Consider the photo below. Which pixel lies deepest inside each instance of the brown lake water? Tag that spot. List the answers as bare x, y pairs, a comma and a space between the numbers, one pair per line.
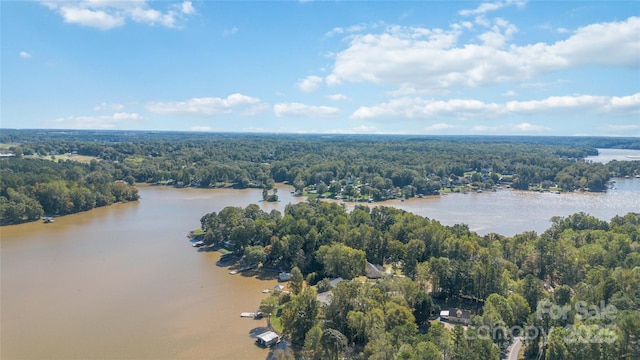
123, 282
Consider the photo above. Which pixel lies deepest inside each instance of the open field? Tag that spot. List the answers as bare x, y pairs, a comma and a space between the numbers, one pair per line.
64, 157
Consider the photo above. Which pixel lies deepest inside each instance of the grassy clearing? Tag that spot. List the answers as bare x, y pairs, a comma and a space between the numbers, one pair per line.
135, 160
5, 146
64, 157
276, 324
198, 232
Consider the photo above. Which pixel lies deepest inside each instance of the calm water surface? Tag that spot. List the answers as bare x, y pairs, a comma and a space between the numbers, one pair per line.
122, 282
509, 212
606, 155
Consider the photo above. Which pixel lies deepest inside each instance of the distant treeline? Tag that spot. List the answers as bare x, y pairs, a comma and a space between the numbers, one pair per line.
357, 167
365, 166
505, 282
31, 188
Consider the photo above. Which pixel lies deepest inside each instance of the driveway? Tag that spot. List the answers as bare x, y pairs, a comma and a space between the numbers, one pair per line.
514, 348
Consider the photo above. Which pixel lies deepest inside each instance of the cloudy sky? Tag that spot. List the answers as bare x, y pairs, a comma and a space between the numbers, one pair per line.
415, 67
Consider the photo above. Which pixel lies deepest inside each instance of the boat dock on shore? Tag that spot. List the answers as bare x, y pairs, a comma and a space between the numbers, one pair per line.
244, 268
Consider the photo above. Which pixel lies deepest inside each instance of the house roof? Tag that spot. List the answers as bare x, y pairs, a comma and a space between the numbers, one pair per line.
373, 271
325, 297
460, 313
268, 336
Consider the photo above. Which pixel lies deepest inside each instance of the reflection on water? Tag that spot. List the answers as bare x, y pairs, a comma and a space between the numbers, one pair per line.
606, 155
123, 282
510, 212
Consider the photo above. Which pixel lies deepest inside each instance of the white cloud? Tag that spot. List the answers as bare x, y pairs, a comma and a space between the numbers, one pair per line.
229, 32
200, 128
630, 101
107, 106
362, 129
335, 31
303, 110
349, 30
153, 17
488, 7
310, 83
92, 18
187, 8
608, 44
440, 127
104, 122
510, 93
25, 55
411, 108
500, 32
526, 127
518, 128
204, 106
418, 108
431, 60
338, 97
105, 15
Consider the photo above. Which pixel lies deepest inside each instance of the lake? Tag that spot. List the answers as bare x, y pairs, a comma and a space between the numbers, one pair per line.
509, 212
123, 281
606, 155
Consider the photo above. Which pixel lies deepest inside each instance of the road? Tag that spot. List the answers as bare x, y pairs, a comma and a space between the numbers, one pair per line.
514, 349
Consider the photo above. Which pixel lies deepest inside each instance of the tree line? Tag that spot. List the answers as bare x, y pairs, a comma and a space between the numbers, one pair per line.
503, 281
31, 188
349, 166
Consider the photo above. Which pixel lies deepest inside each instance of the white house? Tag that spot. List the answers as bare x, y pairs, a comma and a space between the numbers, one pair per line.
268, 339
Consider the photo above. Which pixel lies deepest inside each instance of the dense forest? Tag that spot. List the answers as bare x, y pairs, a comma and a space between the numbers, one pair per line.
32, 188
358, 168
577, 285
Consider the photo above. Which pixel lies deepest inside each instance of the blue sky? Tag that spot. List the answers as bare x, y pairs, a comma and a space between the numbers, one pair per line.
415, 67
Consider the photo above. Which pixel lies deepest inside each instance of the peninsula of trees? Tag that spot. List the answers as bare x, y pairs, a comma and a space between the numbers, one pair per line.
32, 188
358, 168
508, 284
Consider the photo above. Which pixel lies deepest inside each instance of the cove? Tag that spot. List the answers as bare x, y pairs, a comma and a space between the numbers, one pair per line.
123, 281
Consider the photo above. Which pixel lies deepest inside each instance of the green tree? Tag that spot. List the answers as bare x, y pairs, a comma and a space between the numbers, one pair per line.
284, 354
520, 308
334, 343
427, 350
415, 250
313, 348
341, 260
268, 306
254, 255
423, 308
296, 281
299, 315
556, 346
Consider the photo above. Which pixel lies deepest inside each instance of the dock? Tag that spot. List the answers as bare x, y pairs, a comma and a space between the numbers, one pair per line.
244, 268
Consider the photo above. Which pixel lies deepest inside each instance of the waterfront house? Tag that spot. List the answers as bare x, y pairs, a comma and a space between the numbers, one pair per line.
284, 276
268, 339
